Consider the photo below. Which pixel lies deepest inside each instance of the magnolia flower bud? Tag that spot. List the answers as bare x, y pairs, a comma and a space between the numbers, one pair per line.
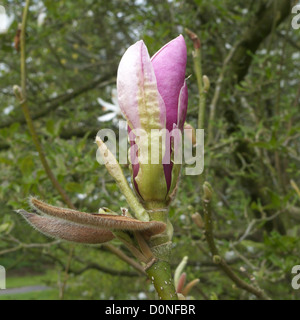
153, 97
206, 83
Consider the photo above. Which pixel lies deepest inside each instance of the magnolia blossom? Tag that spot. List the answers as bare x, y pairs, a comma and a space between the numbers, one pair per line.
41, 18
115, 111
114, 115
152, 94
5, 20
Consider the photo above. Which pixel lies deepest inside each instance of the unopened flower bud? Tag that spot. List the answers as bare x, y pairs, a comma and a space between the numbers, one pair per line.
152, 95
206, 83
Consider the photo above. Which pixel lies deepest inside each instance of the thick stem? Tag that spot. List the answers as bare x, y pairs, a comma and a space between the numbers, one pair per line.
161, 242
160, 275
159, 270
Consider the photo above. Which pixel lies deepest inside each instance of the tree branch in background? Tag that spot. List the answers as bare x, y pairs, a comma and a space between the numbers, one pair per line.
124, 257
112, 272
21, 94
202, 81
52, 105
269, 16
20, 245
217, 259
216, 96
260, 28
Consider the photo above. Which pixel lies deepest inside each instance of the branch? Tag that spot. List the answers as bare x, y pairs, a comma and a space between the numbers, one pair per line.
265, 20
52, 105
124, 257
118, 253
21, 245
289, 40
215, 99
202, 81
110, 271
217, 259
22, 96
251, 225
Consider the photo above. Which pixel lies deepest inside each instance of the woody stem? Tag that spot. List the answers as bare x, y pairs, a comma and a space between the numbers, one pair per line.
159, 270
160, 275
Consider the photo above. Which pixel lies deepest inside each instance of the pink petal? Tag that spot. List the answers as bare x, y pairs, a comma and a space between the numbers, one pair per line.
182, 106
169, 166
138, 96
128, 81
169, 65
181, 283
134, 158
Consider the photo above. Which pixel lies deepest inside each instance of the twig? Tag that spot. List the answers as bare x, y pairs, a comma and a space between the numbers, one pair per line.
92, 265
202, 81
217, 259
254, 222
106, 270
21, 94
53, 104
216, 96
289, 40
124, 257
243, 258
66, 275
29, 246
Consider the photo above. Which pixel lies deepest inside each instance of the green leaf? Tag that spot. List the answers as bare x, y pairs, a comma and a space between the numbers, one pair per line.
4, 228
27, 165
50, 127
74, 187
